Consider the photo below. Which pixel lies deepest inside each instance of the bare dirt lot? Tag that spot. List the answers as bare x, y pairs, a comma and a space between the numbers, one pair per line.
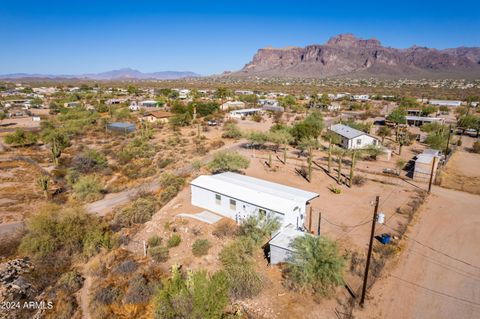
463, 169
438, 274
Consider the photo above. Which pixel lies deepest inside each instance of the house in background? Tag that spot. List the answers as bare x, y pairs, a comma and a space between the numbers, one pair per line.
230, 105
149, 103
157, 117
445, 103
237, 114
238, 196
420, 120
351, 138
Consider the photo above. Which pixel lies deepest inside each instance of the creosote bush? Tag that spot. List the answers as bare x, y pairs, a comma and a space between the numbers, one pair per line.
200, 247
154, 241
159, 253
88, 188
138, 212
174, 240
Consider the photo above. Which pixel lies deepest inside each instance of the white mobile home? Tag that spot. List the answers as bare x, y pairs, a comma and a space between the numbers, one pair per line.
445, 103
351, 138
238, 196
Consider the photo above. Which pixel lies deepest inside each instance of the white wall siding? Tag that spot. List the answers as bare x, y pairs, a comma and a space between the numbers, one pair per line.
279, 255
206, 199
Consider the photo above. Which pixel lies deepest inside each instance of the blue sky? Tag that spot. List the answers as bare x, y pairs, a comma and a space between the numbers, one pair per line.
73, 37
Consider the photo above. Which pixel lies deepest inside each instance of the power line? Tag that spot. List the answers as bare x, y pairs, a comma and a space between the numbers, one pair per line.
439, 292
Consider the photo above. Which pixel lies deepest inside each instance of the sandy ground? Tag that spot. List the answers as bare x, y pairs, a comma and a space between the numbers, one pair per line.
462, 171
439, 278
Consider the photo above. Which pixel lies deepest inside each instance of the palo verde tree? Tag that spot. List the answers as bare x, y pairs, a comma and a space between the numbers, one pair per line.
228, 161
315, 264
398, 116
309, 144
280, 136
384, 132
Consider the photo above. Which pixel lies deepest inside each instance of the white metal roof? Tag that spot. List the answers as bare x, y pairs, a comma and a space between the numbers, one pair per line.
424, 158
285, 237
423, 118
346, 131
272, 196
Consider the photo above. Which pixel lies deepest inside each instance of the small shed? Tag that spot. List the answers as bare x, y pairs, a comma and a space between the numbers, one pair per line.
157, 117
280, 245
121, 127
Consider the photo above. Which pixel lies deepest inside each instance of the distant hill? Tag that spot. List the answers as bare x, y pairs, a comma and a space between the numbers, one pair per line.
348, 56
121, 74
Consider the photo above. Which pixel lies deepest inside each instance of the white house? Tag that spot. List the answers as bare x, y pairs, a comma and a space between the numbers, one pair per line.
242, 113
361, 97
420, 120
238, 196
134, 106
445, 103
351, 138
232, 105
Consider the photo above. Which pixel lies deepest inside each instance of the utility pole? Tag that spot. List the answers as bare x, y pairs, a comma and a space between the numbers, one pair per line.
431, 174
319, 222
369, 255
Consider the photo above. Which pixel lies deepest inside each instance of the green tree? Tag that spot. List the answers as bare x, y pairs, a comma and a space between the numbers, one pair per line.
315, 264
281, 138
222, 93
88, 188
224, 161
311, 126
231, 130
383, 132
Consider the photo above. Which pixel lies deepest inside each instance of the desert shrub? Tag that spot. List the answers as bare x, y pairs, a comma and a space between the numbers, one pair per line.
72, 176
88, 188
169, 179
139, 168
159, 253
315, 264
89, 161
71, 230
126, 267
224, 161
239, 266
21, 138
164, 162
65, 306
174, 240
108, 295
139, 290
168, 194
359, 180
154, 241
71, 281
476, 147
231, 130
258, 228
335, 190
225, 228
217, 144
137, 148
138, 212
200, 247
196, 296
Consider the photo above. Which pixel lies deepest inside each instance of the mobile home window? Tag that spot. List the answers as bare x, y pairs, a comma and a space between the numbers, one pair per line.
218, 199
359, 141
233, 204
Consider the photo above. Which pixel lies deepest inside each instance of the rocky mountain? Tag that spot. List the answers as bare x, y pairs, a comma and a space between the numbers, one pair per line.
121, 74
348, 56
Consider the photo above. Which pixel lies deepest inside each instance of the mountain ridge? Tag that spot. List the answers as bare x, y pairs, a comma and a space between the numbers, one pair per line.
345, 55
118, 74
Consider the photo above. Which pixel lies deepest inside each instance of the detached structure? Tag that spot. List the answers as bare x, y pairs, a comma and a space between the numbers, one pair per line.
281, 245
423, 165
238, 196
121, 127
157, 117
230, 105
420, 120
351, 138
243, 113
445, 103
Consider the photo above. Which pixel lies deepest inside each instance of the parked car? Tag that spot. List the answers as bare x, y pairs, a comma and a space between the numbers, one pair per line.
212, 123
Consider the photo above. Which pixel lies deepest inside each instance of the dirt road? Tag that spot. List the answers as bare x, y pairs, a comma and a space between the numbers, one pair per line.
438, 274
